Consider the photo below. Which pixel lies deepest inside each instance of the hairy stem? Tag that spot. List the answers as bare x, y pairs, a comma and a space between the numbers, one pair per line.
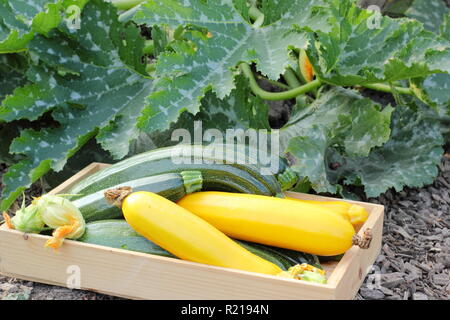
254, 12
125, 4
387, 88
291, 78
127, 15
285, 95
149, 47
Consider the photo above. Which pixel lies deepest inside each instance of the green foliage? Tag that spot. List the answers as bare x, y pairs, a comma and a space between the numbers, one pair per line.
186, 75
339, 119
430, 12
357, 52
20, 21
85, 79
409, 158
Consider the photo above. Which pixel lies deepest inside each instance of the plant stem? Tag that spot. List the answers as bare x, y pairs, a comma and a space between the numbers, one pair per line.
125, 4
127, 15
254, 13
387, 88
291, 78
285, 95
149, 47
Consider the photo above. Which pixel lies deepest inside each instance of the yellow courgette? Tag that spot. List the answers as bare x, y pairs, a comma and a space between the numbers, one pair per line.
273, 221
184, 234
354, 213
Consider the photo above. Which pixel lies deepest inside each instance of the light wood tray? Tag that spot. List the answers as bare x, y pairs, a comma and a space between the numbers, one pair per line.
143, 276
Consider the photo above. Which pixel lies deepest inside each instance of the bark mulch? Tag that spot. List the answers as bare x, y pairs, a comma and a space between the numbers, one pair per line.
415, 258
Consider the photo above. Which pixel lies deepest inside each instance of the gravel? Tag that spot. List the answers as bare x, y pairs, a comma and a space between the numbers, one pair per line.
413, 264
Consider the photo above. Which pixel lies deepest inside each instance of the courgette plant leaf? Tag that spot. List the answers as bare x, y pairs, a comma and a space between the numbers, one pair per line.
434, 90
14, 34
20, 21
429, 12
340, 118
445, 27
13, 69
410, 157
359, 51
186, 75
437, 90
396, 8
239, 110
88, 82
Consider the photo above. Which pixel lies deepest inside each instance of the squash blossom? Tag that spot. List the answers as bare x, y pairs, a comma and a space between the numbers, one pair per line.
305, 272
26, 219
60, 214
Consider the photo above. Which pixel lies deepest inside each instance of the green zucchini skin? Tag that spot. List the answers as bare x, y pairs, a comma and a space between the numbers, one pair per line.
284, 258
232, 177
172, 186
119, 234
246, 157
286, 177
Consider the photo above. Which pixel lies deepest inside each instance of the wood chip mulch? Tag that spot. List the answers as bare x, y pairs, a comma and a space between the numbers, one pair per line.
415, 258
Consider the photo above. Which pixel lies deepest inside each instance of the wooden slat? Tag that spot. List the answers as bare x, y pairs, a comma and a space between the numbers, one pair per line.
349, 274
142, 276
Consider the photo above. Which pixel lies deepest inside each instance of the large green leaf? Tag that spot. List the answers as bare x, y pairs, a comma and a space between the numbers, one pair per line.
85, 79
396, 7
240, 110
358, 52
12, 69
187, 74
410, 158
14, 34
429, 12
341, 119
435, 89
21, 20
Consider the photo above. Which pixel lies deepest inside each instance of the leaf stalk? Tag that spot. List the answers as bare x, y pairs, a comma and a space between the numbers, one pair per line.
387, 88
274, 96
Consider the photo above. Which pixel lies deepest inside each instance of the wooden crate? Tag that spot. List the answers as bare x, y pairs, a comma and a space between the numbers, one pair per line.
143, 276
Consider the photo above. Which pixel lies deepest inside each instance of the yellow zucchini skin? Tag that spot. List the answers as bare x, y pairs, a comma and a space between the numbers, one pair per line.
187, 236
354, 213
273, 221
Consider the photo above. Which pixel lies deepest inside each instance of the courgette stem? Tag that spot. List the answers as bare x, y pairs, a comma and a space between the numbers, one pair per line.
128, 15
192, 181
291, 78
125, 4
311, 86
254, 13
387, 88
285, 95
149, 47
